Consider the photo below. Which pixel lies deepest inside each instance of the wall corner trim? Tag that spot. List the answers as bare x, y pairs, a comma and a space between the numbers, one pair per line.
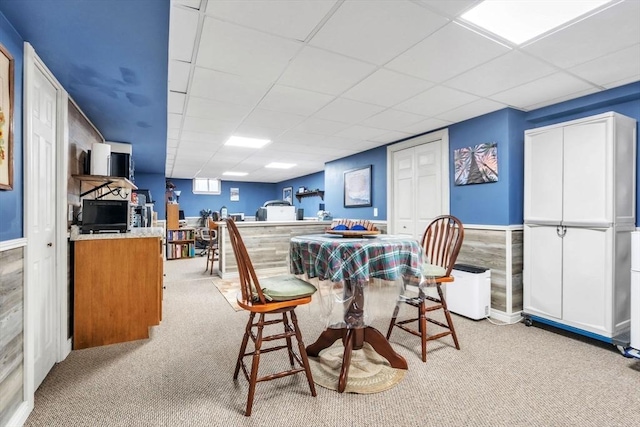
13, 244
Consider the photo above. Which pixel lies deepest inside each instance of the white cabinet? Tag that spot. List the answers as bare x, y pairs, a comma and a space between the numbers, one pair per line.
579, 208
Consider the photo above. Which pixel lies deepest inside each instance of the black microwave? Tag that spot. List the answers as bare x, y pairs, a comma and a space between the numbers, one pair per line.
105, 216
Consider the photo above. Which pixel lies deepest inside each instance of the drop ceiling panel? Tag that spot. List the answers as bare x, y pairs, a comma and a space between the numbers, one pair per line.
179, 76
376, 31
319, 126
174, 121
505, 72
450, 51
216, 110
450, 8
234, 49
197, 124
293, 100
300, 139
348, 111
608, 31
254, 131
173, 133
291, 19
435, 101
361, 132
427, 125
387, 88
392, 136
550, 87
621, 65
393, 120
273, 119
326, 72
184, 26
473, 109
206, 137
175, 102
228, 87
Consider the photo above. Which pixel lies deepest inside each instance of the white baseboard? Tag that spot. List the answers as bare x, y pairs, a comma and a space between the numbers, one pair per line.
501, 316
20, 415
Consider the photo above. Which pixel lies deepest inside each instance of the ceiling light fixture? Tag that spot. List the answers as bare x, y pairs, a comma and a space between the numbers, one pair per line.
229, 173
523, 20
276, 165
242, 141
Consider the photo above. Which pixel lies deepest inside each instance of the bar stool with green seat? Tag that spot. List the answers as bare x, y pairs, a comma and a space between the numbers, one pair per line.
278, 296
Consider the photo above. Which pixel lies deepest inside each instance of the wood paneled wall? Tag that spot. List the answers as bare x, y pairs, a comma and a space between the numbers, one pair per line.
11, 332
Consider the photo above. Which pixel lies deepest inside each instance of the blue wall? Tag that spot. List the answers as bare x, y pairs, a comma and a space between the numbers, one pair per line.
11, 202
334, 184
252, 196
310, 204
155, 183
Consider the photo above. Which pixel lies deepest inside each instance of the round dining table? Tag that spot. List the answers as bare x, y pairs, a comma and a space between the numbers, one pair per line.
353, 262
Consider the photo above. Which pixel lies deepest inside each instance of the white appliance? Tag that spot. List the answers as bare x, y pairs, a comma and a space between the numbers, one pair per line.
100, 159
579, 212
470, 293
281, 213
635, 290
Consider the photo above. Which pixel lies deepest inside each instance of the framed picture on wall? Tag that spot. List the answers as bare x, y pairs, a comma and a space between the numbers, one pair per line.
287, 194
6, 119
357, 187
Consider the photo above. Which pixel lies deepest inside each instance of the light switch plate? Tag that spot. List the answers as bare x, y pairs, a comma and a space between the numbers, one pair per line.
375, 211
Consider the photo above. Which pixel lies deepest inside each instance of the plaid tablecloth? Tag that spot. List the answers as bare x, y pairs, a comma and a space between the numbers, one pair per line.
335, 258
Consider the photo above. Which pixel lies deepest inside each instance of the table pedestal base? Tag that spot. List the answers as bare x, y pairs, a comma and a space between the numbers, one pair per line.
353, 339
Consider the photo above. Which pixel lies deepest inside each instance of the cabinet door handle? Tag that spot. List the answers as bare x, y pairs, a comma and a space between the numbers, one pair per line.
49, 244
561, 230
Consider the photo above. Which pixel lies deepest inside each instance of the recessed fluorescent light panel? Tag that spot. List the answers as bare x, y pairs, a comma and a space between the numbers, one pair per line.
522, 20
241, 141
276, 165
229, 173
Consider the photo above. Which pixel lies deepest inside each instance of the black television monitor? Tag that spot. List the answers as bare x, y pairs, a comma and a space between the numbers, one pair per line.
99, 216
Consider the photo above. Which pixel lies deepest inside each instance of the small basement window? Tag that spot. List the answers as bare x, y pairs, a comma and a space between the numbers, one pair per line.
206, 186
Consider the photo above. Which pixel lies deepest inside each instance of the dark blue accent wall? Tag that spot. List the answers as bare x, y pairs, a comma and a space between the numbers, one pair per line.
252, 196
310, 204
334, 184
12, 201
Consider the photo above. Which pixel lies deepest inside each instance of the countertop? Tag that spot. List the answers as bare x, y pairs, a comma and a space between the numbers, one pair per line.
135, 233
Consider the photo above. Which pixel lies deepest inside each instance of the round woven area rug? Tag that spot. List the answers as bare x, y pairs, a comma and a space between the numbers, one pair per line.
368, 373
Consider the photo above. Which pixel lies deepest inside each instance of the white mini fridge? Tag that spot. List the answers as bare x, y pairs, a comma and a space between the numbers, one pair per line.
470, 293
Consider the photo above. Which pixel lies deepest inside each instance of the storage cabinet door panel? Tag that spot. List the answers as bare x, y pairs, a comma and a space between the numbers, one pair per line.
542, 279
543, 176
587, 174
587, 278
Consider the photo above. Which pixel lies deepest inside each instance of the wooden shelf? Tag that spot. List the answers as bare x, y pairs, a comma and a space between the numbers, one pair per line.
319, 193
99, 181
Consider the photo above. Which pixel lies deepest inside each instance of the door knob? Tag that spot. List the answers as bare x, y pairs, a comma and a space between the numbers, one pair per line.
49, 244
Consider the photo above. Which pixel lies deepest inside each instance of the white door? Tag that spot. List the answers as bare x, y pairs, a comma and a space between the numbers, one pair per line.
419, 176
542, 272
41, 224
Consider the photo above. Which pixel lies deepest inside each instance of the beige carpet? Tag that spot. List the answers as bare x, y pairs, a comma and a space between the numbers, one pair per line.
368, 372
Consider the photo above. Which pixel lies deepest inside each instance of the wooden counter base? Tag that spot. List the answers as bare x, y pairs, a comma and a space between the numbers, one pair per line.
117, 290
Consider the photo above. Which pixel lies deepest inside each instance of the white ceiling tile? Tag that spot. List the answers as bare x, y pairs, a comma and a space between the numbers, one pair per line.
338, 142
361, 132
294, 100
301, 139
319, 126
260, 132
183, 27
622, 82
292, 19
562, 98
392, 136
179, 76
471, 110
426, 126
194, 4
553, 86
216, 110
376, 31
347, 111
507, 71
612, 29
273, 119
435, 101
448, 52
621, 65
237, 50
172, 143
197, 124
173, 133
207, 137
393, 120
174, 121
451, 8
175, 102
228, 87
387, 88
326, 72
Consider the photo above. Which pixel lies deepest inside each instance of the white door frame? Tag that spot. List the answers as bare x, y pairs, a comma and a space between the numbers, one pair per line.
443, 135
31, 62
